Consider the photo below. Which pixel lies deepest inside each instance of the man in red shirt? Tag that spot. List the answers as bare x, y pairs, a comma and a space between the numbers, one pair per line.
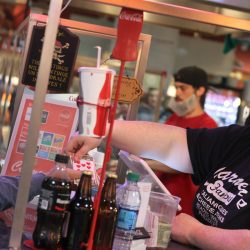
191, 87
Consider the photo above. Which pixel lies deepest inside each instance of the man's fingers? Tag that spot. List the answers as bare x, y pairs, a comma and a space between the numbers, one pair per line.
83, 150
79, 146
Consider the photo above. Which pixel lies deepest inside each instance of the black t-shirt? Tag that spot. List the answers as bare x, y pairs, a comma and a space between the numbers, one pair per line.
221, 163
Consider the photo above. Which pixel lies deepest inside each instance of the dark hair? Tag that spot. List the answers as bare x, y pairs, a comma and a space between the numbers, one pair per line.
247, 121
192, 75
203, 97
195, 77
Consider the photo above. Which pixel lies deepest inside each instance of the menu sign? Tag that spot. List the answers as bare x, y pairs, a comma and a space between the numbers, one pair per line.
64, 57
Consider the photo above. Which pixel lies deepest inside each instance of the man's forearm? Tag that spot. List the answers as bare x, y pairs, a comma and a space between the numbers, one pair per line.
164, 143
158, 166
212, 238
153, 141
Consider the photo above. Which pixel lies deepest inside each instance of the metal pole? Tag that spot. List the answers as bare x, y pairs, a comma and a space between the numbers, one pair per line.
35, 122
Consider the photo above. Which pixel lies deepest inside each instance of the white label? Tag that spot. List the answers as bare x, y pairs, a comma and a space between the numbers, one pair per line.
44, 204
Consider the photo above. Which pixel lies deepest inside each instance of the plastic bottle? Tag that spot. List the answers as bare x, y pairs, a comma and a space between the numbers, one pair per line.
80, 214
107, 215
128, 212
52, 206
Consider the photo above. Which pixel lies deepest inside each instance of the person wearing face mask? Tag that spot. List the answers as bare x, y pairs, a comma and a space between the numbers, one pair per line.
191, 86
187, 105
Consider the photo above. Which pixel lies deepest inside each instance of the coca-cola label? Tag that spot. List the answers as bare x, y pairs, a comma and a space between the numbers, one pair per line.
51, 200
128, 32
133, 17
46, 199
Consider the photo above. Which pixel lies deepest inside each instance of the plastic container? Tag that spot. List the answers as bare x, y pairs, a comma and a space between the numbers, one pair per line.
161, 212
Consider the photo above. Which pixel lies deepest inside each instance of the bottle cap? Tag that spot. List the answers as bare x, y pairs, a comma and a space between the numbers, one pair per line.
112, 175
87, 172
87, 157
133, 176
62, 158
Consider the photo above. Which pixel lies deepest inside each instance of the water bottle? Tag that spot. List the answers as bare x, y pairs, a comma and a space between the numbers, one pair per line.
128, 212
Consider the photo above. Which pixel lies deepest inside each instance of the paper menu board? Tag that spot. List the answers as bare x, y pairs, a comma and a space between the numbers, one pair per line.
58, 123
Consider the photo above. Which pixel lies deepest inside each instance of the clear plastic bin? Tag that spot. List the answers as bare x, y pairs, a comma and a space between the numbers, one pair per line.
161, 212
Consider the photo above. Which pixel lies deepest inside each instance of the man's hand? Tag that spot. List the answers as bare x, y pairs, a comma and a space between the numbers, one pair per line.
80, 145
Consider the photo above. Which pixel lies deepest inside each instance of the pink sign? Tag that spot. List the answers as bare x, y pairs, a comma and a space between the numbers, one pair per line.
58, 123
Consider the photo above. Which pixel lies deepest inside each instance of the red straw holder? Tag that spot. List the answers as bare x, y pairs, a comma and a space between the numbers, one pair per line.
128, 32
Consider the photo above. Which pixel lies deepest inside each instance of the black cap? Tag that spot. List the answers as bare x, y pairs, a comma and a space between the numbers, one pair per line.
192, 75
62, 158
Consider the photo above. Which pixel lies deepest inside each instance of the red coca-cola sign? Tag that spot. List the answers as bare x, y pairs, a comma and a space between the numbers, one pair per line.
128, 31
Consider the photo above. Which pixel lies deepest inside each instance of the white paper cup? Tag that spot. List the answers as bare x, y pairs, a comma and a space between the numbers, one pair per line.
96, 86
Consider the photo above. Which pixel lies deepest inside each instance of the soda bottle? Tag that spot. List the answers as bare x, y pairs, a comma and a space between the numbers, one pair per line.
107, 215
128, 212
53, 205
80, 214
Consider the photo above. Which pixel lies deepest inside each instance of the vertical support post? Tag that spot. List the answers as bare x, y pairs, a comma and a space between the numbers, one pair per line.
35, 122
158, 105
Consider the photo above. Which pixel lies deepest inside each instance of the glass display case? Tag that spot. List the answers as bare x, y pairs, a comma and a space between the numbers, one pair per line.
223, 105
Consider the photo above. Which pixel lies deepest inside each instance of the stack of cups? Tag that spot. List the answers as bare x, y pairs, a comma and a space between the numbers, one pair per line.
96, 86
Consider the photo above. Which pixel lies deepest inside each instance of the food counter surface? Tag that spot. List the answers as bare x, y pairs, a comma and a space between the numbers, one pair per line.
172, 245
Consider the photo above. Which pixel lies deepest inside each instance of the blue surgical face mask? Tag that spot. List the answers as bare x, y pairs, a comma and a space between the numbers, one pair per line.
183, 108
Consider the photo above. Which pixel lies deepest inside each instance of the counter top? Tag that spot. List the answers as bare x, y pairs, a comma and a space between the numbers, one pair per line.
5, 232
173, 245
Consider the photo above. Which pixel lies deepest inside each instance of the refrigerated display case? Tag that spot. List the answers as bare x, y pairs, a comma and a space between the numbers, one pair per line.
223, 105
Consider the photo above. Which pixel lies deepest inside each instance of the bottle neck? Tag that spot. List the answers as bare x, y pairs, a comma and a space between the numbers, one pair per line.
60, 166
134, 183
59, 171
109, 189
84, 187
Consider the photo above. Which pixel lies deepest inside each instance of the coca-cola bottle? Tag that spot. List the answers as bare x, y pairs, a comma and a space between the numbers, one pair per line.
80, 215
107, 215
128, 31
53, 205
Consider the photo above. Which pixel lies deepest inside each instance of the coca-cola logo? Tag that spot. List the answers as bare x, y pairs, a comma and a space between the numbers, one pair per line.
132, 17
16, 167
72, 98
31, 217
64, 115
